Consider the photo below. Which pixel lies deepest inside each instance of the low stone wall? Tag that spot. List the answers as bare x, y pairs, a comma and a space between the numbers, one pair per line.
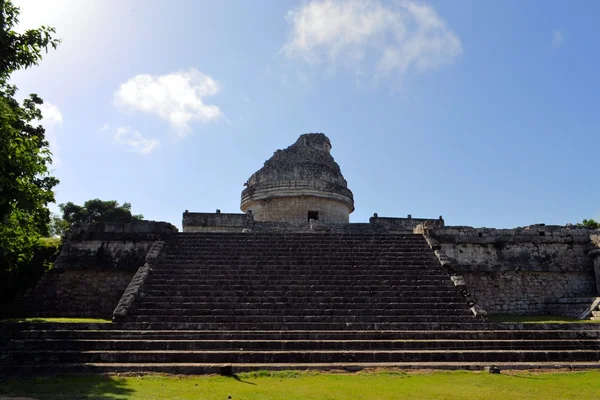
94, 268
406, 225
532, 270
78, 293
215, 222
222, 222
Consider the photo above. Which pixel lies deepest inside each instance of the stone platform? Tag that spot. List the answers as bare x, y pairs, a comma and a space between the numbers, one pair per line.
228, 302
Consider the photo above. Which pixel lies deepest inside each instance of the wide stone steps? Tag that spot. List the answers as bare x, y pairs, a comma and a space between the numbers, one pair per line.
184, 307
270, 290
451, 323
296, 281
253, 319
242, 297
287, 312
273, 276
309, 345
221, 368
235, 302
340, 302
302, 356
507, 334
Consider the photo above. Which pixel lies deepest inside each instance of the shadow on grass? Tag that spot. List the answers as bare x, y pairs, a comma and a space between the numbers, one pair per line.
66, 387
237, 378
537, 378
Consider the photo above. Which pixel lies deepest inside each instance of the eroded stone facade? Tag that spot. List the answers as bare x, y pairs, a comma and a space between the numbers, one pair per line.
299, 183
532, 270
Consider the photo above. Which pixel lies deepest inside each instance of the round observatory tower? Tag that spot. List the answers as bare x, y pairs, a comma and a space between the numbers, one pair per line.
299, 183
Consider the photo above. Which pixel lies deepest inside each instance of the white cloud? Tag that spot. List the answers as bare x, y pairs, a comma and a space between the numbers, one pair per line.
557, 38
134, 141
51, 118
177, 97
368, 36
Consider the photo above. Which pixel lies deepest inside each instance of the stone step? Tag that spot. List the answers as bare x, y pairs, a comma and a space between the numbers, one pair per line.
262, 344
347, 309
194, 296
273, 258
277, 290
212, 368
220, 368
175, 273
367, 273
290, 311
251, 319
455, 323
291, 279
290, 335
301, 254
302, 356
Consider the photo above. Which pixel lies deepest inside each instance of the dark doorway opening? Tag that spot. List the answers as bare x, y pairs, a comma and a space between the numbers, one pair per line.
313, 215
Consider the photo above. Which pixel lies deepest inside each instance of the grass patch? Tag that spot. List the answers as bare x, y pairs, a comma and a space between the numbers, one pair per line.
538, 319
43, 320
314, 385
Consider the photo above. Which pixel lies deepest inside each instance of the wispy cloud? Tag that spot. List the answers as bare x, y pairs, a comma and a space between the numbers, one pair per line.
370, 37
177, 97
134, 141
51, 119
557, 39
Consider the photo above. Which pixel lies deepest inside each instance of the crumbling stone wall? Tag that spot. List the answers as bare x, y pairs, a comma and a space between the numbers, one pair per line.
532, 270
78, 293
222, 222
94, 268
215, 222
303, 177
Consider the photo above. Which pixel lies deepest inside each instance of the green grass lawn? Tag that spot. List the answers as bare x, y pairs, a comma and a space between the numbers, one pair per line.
536, 319
59, 320
294, 385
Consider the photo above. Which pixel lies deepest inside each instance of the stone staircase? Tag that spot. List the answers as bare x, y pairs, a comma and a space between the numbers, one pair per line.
231, 302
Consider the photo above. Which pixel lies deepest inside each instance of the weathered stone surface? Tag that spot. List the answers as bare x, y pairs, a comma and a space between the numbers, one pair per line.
134, 287
524, 270
300, 179
77, 293
458, 280
94, 268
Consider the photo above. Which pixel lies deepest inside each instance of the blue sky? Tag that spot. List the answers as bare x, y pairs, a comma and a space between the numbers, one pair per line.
483, 112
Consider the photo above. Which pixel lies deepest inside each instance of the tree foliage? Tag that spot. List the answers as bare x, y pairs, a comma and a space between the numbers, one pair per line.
58, 226
590, 224
97, 210
20, 51
25, 183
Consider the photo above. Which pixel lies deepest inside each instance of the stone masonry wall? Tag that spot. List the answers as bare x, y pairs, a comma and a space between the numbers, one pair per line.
296, 208
93, 269
221, 222
78, 293
532, 270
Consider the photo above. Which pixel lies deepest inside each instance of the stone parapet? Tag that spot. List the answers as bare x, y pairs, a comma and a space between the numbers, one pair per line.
524, 270
215, 222
95, 266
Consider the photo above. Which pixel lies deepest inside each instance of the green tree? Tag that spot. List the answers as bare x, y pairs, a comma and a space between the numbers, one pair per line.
590, 224
97, 210
58, 226
25, 183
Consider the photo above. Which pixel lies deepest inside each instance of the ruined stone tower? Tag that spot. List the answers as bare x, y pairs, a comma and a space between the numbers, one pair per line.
299, 183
